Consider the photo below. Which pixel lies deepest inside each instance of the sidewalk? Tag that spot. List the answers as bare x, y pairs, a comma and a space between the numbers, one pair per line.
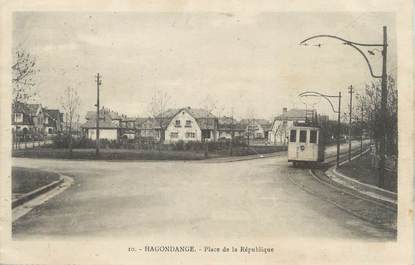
28, 183
358, 176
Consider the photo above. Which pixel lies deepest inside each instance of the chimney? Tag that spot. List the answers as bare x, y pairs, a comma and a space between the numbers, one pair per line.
284, 110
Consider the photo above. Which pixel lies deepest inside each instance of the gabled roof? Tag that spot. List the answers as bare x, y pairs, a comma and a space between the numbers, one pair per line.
103, 124
90, 115
53, 113
33, 108
204, 118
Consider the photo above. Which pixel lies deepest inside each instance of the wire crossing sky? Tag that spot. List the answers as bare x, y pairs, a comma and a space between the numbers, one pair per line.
248, 63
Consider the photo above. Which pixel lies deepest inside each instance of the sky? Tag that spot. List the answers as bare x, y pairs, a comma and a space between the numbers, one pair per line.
251, 64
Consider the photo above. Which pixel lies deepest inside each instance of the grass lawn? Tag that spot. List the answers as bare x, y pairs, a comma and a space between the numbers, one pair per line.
25, 180
134, 154
361, 170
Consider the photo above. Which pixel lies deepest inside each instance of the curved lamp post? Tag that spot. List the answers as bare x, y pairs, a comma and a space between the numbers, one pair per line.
383, 77
327, 98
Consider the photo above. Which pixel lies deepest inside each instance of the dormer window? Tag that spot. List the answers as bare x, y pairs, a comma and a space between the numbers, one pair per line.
178, 123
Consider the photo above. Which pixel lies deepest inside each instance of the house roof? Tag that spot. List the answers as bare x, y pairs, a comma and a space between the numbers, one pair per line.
90, 115
53, 113
295, 114
204, 118
33, 108
103, 124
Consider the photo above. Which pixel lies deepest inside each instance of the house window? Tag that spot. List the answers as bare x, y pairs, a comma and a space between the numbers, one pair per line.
178, 123
313, 137
303, 136
293, 136
188, 123
174, 135
50, 130
190, 135
18, 117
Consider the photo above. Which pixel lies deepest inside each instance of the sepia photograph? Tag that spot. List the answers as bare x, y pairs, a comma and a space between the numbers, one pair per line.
183, 127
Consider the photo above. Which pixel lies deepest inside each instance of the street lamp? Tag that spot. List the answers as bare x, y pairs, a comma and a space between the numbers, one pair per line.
338, 111
383, 77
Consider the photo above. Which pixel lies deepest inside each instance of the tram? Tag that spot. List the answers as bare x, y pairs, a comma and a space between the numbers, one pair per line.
306, 144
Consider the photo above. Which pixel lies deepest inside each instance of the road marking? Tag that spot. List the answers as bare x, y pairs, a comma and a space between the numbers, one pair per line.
25, 208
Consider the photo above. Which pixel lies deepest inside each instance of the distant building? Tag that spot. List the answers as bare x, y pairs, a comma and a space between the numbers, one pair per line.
281, 124
109, 125
53, 121
187, 124
228, 126
256, 128
27, 119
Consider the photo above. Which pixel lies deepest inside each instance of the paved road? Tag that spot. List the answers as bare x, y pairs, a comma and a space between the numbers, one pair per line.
187, 200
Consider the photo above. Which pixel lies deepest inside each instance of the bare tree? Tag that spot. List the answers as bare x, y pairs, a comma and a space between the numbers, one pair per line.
372, 120
210, 105
24, 69
157, 108
251, 123
70, 102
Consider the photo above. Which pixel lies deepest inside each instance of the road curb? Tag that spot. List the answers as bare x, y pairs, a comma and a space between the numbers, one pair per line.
241, 158
363, 188
29, 196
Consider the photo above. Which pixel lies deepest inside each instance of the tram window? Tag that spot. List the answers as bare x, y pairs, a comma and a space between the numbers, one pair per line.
303, 136
313, 137
293, 136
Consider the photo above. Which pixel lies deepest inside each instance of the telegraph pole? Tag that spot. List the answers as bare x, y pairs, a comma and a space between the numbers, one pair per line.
350, 122
384, 96
98, 81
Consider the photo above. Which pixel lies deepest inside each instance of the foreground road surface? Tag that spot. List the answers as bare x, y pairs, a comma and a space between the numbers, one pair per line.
192, 199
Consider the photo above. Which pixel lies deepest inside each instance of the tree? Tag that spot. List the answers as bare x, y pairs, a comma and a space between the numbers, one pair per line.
372, 121
251, 127
157, 108
24, 69
70, 102
209, 104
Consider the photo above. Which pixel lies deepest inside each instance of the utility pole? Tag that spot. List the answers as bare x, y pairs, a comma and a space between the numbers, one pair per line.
384, 96
350, 122
338, 130
98, 81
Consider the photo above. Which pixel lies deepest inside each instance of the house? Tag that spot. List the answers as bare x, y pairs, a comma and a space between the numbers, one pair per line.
228, 126
53, 121
21, 119
27, 119
149, 130
187, 124
256, 128
109, 124
128, 127
281, 124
